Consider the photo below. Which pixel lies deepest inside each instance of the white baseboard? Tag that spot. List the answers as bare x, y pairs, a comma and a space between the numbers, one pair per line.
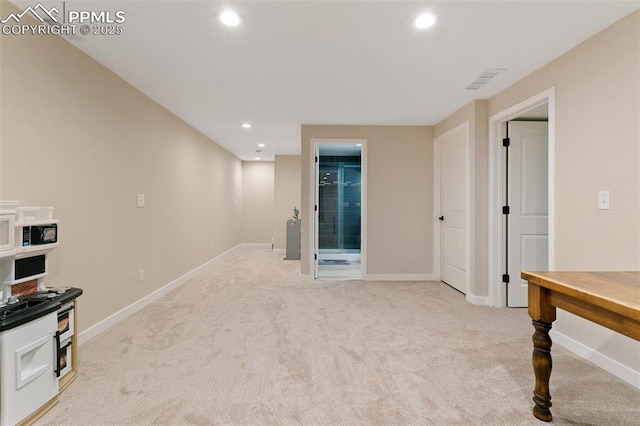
385, 277
255, 245
612, 366
123, 313
280, 251
477, 300
398, 277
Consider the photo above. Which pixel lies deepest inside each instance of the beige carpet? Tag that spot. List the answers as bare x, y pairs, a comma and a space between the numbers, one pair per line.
248, 342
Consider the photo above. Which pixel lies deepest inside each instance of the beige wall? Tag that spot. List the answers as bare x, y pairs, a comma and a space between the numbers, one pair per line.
257, 201
597, 144
77, 137
476, 114
286, 196
597, 147
399, 195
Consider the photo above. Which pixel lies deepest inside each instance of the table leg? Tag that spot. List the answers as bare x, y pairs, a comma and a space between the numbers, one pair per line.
541, 361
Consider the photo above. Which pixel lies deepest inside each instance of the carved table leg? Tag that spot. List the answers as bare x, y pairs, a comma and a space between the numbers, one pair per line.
541, 361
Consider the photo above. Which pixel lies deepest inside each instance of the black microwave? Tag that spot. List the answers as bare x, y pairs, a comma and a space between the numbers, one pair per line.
39, 234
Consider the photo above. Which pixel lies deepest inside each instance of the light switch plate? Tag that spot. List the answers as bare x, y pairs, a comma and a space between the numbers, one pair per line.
140, 200
604, 200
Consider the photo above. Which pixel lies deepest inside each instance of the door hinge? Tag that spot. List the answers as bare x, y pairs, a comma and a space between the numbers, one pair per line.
316, 208
505, 278
316, 158
506, 210
315, 256
506, 142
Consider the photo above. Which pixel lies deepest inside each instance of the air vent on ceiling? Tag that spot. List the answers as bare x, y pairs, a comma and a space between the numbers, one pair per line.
484, 77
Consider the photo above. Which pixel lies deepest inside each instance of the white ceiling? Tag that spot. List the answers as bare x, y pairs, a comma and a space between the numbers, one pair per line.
330, 62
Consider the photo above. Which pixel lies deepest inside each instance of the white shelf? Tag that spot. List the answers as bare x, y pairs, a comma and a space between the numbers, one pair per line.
19, 252
36, 222
8, 253
29, 214
35, 249
9, 207
24, 280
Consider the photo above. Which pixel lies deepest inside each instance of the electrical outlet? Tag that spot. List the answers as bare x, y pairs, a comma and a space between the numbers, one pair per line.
141, 275
604, 200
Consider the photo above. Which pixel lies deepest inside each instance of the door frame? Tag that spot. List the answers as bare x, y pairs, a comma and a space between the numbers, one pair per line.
437, 243
313, 189
497, 289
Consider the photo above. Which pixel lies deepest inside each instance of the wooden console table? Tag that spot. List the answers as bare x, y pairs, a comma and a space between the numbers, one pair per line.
611, 299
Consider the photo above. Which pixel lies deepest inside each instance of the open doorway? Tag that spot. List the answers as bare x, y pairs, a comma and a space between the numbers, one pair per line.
521, 196
526, 217
339, 210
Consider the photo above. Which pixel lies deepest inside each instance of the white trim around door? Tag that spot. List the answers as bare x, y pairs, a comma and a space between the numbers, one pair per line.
497, 293
313, 187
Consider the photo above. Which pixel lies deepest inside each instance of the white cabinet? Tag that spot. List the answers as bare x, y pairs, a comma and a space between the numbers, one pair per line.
26, 366
15, 221
20, 260
8, 212
7, 232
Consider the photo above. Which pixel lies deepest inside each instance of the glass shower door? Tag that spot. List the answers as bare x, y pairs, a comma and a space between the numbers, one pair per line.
339, 205
350, 213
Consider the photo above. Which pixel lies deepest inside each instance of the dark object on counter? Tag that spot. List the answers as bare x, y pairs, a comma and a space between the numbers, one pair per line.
34, 306
55, 296
19, 313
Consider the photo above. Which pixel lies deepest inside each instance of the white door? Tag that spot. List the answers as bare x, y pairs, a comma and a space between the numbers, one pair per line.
528, 200
27, 362
453, 209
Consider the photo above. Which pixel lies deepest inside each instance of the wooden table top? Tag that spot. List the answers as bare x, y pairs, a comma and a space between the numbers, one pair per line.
616, 291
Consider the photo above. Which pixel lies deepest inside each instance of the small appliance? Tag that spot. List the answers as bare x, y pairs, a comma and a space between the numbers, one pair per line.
40, 234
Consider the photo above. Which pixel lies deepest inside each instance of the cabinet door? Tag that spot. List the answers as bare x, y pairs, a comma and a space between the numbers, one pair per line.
7, 232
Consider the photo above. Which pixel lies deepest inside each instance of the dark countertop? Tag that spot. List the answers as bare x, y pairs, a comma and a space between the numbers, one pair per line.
32, 307
16, 314
68, 295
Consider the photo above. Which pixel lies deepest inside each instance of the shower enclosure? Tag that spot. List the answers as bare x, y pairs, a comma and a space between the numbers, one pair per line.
339, 210
339, 204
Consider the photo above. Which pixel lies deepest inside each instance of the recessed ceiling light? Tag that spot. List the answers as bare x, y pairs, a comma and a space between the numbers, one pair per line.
246, 125
358, 144
261, 145
257, 158
230, 18
424, 21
